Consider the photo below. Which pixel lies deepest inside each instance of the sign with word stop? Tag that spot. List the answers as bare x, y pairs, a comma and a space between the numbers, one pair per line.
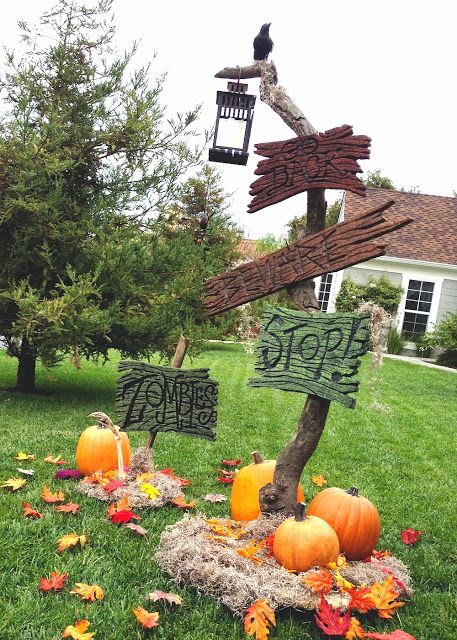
313, 353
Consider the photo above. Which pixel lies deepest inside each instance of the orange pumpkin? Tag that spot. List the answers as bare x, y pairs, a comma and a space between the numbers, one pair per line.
302, 542
97, 447
354, 518
244, 501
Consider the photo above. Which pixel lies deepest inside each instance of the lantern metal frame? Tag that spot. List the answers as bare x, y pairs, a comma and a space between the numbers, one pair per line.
238, 105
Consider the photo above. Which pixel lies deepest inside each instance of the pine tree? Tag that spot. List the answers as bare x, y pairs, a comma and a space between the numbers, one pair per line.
88, 162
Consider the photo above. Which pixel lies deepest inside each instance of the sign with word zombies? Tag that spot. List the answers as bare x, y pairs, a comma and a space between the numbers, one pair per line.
337, 247
166, 399
311, 353
322, 161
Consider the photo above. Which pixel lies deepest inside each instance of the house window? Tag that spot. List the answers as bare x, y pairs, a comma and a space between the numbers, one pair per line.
417, 307
324, 291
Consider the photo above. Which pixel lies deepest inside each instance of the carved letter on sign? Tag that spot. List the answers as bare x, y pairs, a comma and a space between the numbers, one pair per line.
311, 353
166, 399
322, 161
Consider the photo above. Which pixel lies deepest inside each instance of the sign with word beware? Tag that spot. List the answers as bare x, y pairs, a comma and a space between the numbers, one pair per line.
336, 247
166, 399
313, 353
321, 161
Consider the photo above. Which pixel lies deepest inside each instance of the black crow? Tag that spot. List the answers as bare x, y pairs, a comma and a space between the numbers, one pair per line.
263, 44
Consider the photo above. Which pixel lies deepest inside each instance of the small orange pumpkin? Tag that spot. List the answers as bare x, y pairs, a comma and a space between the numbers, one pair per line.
302, 542
99, 447
354, 518
244, 501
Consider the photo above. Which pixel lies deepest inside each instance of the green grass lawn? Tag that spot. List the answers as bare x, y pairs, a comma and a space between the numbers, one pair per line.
404, 460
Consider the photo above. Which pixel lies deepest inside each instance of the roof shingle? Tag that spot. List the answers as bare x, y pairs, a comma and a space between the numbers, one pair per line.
431, 237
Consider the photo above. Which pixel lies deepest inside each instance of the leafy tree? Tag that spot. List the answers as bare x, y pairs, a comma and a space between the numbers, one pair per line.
87, 160
299, 222
375, 180
379, 291
267, 244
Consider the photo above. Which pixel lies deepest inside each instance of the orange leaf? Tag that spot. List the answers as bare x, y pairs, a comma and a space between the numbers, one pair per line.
180, 502
146, 618
70, 540
77, 630
224, 528
172, 598
319, 480
70, 507
384, 595
259, 617
13, 484
56, 582
47, 496
100, 478
269, 541
340, 563
251, 550
28, 511
355, 631
55, 460
319, 581
360, 599
121, 505
89, 592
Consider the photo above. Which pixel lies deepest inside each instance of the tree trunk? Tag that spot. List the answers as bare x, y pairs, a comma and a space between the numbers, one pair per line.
26, 369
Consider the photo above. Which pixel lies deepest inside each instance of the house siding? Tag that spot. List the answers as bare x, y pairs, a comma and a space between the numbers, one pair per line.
448, 299
361, 276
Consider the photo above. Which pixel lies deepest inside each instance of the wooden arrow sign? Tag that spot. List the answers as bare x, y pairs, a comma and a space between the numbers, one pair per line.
322, 161
337, 247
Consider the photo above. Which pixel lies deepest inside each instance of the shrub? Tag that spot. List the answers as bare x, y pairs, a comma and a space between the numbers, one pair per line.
395, 341
379, 291
445, 336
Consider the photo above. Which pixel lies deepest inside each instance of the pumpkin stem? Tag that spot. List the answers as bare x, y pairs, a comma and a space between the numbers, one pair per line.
300, 512
105, 422
257, 457
353, 491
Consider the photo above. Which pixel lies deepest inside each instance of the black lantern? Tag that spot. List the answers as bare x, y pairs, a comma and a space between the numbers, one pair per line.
235, 110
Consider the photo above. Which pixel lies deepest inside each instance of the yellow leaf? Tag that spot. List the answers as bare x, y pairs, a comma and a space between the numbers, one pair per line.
355, 631
147, 618
90, 592
150, 491
77, 631
384, 595
340, 563
25, 456
343, 584
70, 540
13, 484
259, 617
319, 480
250, 551
50, 458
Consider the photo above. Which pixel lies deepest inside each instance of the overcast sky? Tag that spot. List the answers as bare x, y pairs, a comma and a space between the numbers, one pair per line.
387, 68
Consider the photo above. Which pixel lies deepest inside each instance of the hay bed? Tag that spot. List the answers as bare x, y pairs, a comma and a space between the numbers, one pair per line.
141, 462
214, 568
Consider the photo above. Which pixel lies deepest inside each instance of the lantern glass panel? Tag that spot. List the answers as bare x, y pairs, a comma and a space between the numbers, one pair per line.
230, 133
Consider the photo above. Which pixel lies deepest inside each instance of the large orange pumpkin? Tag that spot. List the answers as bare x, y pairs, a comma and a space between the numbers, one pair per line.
244, 501
302, 542
97, 449
354, 518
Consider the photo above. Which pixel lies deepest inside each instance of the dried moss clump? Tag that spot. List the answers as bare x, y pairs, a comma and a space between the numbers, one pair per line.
169, 488
190, 553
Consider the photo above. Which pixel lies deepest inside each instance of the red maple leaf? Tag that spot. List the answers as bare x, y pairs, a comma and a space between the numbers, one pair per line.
331, 621
410, 536
395, 635
56, 582
360, 599
269, 540
28, 511
125, 515
226, 480
231, 463
113, 485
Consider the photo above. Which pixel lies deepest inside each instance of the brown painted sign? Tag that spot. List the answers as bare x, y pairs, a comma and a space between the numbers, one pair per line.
158, 398
322, 161
337, 247
313, 353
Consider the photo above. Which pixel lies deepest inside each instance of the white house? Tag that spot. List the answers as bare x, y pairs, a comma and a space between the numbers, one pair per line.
421, 256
